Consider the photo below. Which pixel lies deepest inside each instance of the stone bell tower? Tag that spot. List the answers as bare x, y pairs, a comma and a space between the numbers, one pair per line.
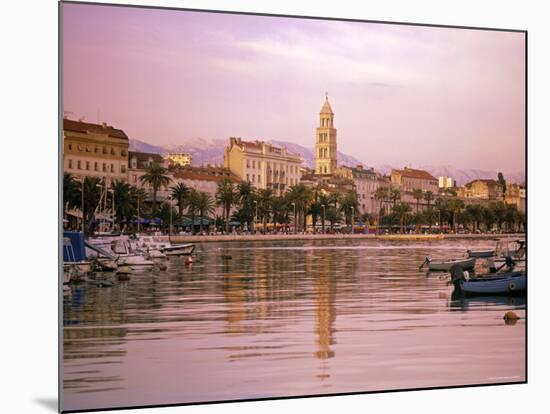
325, 144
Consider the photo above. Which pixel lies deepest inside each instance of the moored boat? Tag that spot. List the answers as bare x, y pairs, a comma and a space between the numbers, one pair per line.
157, 246
481, 253
501, 283
445, 266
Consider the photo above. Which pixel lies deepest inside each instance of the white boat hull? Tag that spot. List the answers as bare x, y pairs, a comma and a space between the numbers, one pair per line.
179, 250
135, 261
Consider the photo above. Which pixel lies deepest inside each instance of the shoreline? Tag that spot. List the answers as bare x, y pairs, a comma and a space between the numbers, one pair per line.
386, 237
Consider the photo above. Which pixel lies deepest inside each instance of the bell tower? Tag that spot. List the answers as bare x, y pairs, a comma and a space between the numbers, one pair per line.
325, 144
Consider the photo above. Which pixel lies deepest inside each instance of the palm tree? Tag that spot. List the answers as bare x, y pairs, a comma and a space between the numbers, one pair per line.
192, 204
455, 205
123, 200
441, 207
334, 199
418, 195
264, 199
315, 209
245, 200
92, 196
333, 216
349, 204
280, 209
205, 206
428, 198
402, 209
70, 192
155, 176
226, 197
301, 196
323, 204
179, 193
381, 194
394, 195
488, 217
475, 212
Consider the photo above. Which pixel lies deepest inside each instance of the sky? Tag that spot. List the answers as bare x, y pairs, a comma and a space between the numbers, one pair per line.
401, 94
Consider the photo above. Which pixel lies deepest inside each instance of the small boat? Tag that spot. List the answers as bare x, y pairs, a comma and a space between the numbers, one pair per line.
445, 266
74, 253
123, 250
135, 261
158, 246
481, 253
501, 283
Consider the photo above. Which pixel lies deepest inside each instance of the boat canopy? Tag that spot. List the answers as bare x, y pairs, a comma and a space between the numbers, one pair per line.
73, 247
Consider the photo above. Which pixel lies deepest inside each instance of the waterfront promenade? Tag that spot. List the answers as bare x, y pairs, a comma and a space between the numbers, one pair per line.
395, 237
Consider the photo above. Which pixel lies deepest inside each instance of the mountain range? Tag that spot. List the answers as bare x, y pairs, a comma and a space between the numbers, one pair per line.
210, 151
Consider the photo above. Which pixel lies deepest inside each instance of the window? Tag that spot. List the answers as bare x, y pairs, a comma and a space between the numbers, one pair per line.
87, 148
122, 169
247, 177
259, 179
135, 178
253, 177
70, 163
112, 167
253, 164
70, 146
112, 151
104, 167
95, 165
104, 150
96, 150
123, 153
247, 163
87, 165
78, 166
79, 147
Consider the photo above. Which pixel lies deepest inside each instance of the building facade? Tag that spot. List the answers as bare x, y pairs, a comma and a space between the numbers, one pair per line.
138, 162
325, 143
179, 159
446, 182
262, 164
366, 182
95, 150
482, 189
409, 179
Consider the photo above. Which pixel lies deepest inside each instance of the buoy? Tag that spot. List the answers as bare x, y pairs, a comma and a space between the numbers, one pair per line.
511, 316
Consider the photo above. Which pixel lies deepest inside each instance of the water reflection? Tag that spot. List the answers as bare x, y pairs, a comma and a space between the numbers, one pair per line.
284, 318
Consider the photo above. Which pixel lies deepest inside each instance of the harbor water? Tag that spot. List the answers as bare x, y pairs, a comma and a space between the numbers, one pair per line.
285, 318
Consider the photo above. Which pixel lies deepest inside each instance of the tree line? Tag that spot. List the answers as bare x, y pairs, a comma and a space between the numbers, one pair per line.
246, 206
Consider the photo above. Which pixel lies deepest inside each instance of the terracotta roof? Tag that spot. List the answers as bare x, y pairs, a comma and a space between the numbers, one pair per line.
486, 181
205, 174
412, 173
85, 127
143, 158
326, 109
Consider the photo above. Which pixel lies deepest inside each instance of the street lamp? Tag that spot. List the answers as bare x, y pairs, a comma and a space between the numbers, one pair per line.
255, 216
323, 223
138, 214
352, 217
170, 227
294, 205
